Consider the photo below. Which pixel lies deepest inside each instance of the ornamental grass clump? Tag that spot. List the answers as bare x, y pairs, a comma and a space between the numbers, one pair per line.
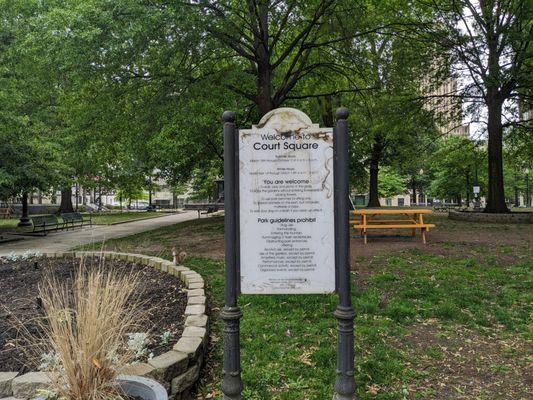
85, 332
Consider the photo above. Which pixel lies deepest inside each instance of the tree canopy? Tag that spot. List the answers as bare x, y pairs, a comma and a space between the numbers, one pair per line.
112, 94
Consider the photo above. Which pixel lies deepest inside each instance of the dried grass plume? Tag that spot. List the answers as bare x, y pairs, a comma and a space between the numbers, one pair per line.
85, 331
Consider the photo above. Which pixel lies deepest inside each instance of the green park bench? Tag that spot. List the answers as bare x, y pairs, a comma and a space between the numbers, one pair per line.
46, 223
76, 219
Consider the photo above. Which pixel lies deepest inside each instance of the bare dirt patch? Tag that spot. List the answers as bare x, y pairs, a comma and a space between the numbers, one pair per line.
200, 238
163, 300
461, 364
507, 243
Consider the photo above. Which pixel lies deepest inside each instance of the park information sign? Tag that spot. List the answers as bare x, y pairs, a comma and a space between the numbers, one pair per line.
286, 206
286, 226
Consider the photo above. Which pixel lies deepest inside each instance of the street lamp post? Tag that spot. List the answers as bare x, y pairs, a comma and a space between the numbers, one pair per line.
24, 219
421, 172
477, 206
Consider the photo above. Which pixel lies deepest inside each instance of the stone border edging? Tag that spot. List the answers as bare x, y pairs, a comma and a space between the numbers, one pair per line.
507, 218
177, 370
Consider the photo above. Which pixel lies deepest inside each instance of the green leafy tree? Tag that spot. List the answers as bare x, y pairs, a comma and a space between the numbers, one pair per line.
518, 158
391, 124
391, 183
30, 157
490, 42
276, 45
454, 166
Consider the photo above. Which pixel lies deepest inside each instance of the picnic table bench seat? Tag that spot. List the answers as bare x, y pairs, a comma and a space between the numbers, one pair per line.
408, 219
5, 212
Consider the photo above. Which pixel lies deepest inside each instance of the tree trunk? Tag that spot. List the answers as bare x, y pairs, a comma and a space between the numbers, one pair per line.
528, 197
496, 194
326, 110
24, 219
264, 91
264, 69
413, 188
77, 195
99, 199
373, 195
468, 189
66, 200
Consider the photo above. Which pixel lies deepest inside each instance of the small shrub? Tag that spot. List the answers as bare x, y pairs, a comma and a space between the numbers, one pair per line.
138, 343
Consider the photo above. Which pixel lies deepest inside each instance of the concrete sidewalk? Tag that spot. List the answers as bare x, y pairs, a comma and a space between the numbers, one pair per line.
66, 240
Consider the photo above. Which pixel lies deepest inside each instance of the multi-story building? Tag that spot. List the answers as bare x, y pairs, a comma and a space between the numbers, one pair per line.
447, 105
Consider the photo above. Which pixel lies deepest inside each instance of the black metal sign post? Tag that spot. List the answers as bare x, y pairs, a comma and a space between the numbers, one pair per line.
231, 314
345, 382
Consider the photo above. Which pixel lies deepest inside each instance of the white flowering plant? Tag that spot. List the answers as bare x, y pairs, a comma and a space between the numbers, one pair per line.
27, 255
165, 337
138, 343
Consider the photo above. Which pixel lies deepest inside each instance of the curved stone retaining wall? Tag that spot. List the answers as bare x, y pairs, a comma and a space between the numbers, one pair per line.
177, 370
508, 218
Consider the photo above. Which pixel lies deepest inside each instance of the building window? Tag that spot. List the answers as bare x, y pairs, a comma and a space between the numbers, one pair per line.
388, 202
401, 201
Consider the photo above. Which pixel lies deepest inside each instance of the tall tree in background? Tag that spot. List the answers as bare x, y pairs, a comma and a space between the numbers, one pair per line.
30, 157
490, 42
278, 43
392, 122
135, 92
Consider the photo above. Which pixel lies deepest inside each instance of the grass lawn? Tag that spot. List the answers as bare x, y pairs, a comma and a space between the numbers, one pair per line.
10, 225
450, 320
110, 218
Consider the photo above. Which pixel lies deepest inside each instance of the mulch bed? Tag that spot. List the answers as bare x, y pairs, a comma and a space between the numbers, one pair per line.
163, 299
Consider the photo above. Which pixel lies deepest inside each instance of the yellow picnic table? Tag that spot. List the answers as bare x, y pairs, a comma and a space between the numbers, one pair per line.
5, 213
368, 218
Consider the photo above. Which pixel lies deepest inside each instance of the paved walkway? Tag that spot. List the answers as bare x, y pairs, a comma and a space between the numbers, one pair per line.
66, 240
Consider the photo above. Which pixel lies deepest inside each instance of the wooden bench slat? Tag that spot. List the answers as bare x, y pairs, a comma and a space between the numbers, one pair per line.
388, 212
382, 221
402, 226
